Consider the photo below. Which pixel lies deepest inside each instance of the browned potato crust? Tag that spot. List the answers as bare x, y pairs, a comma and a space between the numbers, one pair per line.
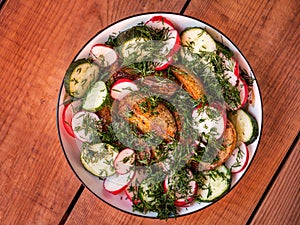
190, 82
229, 143
105, 116
138, 111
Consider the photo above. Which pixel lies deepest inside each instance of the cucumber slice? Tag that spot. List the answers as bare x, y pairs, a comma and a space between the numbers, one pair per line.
95, 97
79, 76
134, 48
98, 159
216, 184
245, 124
198, 40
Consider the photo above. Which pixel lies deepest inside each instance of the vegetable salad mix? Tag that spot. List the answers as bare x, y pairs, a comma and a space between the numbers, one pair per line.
161, 115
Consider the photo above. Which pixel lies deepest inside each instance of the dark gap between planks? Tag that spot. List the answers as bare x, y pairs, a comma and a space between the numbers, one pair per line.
81, 188
184, 7
266, 192
2, 3
71, 206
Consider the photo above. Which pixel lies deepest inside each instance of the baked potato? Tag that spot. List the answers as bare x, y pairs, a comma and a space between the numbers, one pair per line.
147, 117
189, 81
229, 143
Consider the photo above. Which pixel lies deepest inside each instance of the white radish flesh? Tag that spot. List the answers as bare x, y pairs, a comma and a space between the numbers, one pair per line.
121, 88
116, 183
83, 125
159, 22
124, 161
239, 158
205, 123
103, 55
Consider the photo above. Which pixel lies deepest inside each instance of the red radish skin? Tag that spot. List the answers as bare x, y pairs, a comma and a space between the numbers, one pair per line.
182, 202
244, 92
121, 80
110, 56
232, 65
139, 176
173, 45
121, 88
164, 65
117, 183
67, 119
242, 87
122, 167
160, 22
236, 70
243, 160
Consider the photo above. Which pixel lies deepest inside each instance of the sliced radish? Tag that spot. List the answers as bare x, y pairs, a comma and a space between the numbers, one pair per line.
103, 54
171, 46
124, 161
163, 64
241, 86
160, 22
192, 186
209, 119
83, 125
117, 183
140, 175
67, 115
239, 158
232, 78
68, 112
231, 65
236, 70
121, 88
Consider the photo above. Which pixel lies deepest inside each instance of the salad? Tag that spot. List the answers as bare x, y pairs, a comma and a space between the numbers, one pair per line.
161, 115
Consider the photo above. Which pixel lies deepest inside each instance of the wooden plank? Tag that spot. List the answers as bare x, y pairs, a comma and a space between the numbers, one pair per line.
37, 184
38, 41
266, 33
281, 205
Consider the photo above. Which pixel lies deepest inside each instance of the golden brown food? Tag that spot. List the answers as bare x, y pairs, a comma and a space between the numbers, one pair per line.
189, 82
148, 117
229, 143
160, 85
105, 117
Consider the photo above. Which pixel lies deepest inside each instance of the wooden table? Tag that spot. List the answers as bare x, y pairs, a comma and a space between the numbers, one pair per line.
38, 40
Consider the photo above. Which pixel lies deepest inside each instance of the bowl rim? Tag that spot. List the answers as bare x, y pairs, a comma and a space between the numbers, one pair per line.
160, 13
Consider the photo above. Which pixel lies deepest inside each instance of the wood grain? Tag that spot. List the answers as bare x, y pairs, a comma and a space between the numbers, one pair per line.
256, 28
281, 205
266, 34
36, 182
39, 39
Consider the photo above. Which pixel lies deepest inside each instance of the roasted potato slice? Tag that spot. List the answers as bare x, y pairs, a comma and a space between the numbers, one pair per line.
105, 117
139, 111
189, 81
160, 85
229, 143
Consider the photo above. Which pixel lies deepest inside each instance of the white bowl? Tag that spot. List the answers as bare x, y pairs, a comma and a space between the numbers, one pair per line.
71, 147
